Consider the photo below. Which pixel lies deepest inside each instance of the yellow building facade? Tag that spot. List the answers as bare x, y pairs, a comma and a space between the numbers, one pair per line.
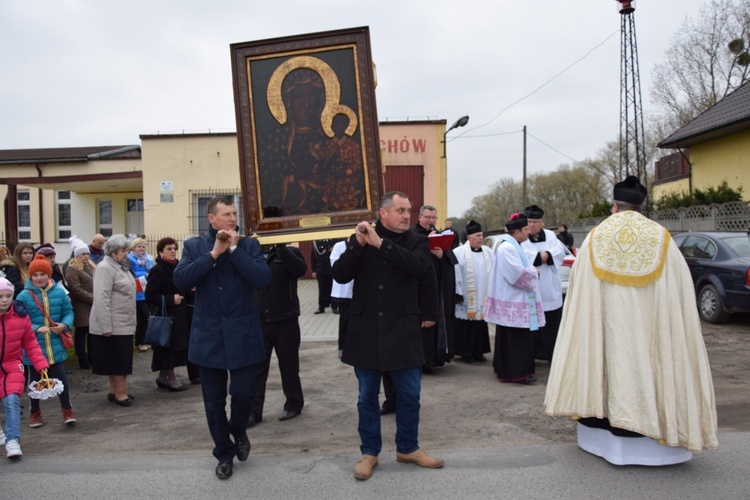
160, 187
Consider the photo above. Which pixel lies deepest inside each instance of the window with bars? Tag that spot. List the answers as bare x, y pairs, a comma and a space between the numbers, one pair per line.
104, 217
199, 209
64, 222
24, 215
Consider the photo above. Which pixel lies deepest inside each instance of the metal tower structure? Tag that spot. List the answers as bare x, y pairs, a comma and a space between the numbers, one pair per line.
632, 137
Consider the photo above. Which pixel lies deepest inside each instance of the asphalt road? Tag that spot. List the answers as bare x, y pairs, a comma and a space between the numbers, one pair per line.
513, 472
160, 448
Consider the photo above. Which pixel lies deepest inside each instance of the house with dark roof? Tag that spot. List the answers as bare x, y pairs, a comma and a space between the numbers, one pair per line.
711, 148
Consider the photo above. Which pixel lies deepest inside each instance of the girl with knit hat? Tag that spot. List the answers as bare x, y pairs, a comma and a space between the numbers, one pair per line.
15, 335
51, 314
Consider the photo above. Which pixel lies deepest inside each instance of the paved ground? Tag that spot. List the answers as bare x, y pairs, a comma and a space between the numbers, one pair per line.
495, 438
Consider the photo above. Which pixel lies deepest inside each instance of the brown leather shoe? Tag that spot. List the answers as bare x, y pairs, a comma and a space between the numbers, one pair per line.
420, 458
363, 469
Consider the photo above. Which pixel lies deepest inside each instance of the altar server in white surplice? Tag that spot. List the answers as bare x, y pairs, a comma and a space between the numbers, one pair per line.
471, 336
546, 253
514, 305
630, 363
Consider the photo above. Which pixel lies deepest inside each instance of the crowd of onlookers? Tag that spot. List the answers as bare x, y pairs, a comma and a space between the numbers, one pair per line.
96, 304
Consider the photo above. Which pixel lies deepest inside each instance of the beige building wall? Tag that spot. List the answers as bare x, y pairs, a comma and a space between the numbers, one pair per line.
44, 223
419, 143
679, 186
727, 158
186, 164
175, 167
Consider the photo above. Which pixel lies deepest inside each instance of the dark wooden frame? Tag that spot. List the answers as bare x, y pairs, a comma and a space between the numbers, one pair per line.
266, 142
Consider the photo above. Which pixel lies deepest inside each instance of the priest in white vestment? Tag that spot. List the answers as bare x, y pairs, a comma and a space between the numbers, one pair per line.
630, 361
471, 335
546, 253
514, 305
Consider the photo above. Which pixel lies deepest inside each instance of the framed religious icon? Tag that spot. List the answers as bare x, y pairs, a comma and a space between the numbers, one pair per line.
308, 132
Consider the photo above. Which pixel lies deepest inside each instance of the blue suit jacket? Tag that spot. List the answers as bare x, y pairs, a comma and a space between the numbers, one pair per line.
226, 331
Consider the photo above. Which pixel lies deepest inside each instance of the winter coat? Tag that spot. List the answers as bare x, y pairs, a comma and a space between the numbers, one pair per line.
17, 337
140, 271
113, 309
384, 331
13, 274
81, 288
226, 331
279, 301
57, 305
161, 284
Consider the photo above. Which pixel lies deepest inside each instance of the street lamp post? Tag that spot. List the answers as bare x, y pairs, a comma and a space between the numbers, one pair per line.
459, 123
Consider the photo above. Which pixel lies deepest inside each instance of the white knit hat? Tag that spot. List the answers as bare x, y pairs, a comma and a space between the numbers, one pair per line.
78, 250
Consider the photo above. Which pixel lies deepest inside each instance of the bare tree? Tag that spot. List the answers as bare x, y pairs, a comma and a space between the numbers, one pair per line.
493, 209
707, 60
567, 192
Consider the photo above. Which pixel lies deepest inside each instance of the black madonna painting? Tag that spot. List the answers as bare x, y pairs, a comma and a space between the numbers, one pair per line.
307, 130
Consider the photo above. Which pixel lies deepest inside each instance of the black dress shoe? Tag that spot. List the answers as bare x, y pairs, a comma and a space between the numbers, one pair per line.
111, 397
288, 415
125, 402
480, 359
319, 311
252, 421
170, 388
243, 448
195, 381
224, 469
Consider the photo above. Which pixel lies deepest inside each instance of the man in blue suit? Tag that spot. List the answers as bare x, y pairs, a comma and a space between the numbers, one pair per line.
225, 339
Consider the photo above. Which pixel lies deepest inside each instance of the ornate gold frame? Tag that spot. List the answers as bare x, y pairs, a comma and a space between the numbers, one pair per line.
300, 173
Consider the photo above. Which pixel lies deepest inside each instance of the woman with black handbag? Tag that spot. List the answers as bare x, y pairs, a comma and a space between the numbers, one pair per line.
161, 289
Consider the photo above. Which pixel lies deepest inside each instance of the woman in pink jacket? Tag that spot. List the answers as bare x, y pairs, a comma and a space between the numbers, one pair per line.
15, 335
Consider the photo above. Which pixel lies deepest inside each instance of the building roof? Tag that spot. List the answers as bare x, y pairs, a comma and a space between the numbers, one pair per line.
68, 155
729, 116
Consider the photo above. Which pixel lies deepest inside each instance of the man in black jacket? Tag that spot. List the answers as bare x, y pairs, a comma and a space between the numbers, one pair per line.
386, 263
438, 339
278, 305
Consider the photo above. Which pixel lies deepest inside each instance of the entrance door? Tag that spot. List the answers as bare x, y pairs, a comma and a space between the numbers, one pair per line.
134, 216
409, 179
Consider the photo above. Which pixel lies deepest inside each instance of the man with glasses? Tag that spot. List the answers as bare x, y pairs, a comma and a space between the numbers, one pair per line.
438, 339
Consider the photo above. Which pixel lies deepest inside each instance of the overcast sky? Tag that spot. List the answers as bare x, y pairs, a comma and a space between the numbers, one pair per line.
94, 73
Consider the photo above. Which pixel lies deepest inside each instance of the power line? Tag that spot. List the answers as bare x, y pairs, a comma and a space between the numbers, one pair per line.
552, 148
541, 86
487, 135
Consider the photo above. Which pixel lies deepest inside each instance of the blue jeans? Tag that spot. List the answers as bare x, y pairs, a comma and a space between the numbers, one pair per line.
12, 405
242, 391
408, 384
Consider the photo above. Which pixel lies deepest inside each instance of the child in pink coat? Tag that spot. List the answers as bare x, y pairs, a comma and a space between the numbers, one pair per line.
15, 335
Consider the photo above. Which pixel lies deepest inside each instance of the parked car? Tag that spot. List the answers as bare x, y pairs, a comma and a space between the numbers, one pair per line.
494, 240
720, 266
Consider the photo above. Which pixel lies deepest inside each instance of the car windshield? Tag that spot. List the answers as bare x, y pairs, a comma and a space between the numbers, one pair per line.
740, 244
